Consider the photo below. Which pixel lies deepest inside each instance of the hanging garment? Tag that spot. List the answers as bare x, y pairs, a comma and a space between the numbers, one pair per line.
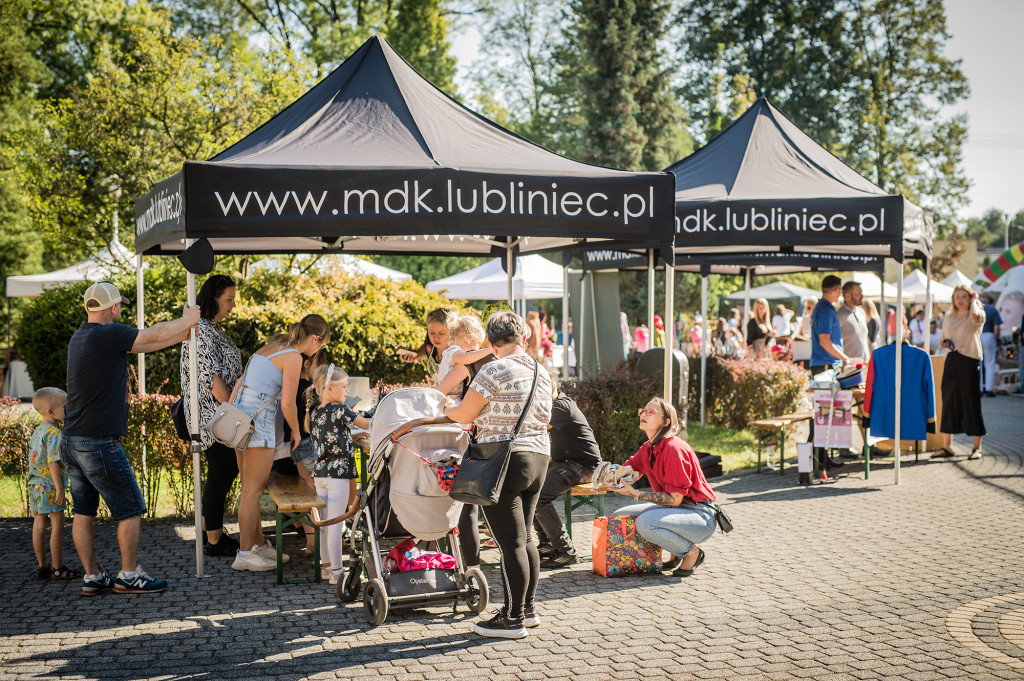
917, 393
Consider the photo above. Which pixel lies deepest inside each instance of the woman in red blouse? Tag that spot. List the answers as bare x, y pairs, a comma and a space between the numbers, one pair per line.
677, 513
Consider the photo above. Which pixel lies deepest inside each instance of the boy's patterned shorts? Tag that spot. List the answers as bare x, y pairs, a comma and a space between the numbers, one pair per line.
43, 499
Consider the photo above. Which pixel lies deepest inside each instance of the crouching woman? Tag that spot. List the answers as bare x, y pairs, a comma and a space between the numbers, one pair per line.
677, 513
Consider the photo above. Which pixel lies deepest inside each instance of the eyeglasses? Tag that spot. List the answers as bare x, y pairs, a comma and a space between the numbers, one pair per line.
646, 411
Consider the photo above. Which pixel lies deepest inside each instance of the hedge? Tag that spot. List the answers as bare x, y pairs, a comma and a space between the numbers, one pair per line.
743, 390
368, 318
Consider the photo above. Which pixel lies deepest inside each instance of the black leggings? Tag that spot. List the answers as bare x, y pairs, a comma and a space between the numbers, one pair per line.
221, 471
469, 534
510, 521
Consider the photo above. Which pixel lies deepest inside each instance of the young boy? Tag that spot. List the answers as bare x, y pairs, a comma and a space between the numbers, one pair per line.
46, 482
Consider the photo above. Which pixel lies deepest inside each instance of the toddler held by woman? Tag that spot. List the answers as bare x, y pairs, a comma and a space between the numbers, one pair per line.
467, 334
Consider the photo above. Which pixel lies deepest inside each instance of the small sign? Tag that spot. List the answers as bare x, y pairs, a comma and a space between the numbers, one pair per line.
833, 420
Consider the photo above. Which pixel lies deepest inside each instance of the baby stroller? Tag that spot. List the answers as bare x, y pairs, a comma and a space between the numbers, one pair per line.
404, 500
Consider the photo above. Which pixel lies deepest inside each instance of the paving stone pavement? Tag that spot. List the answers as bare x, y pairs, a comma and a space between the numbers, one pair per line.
851, 580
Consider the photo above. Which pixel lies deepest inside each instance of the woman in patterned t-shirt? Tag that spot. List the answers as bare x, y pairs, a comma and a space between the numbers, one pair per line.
493, 403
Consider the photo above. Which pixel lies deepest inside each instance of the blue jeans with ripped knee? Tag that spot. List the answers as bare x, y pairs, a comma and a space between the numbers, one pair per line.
674, 529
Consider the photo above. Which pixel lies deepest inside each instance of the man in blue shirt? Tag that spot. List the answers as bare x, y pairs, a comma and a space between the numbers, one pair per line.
826, 331
989, 345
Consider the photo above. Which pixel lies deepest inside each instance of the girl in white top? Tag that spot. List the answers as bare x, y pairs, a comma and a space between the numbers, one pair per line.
467, 334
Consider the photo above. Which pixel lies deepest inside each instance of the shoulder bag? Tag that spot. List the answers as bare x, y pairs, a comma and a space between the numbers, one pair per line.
233, 427
482, 471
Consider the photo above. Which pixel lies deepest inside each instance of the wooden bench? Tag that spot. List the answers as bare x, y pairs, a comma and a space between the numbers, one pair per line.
779, 424
295, 500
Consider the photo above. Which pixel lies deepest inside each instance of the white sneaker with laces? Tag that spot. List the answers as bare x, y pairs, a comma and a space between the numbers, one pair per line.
254, 561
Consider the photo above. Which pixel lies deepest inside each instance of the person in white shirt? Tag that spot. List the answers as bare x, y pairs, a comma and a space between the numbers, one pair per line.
917, 329
779, 322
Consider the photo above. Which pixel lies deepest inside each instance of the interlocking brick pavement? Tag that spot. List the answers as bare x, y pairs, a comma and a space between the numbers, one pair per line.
851, 580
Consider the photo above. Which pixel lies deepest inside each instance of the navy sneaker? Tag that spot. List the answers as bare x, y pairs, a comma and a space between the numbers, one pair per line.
141, 583
96, 584
500, 627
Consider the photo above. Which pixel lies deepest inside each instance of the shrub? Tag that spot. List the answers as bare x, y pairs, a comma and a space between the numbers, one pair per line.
744, 390
609, 401
368, 318
16, 426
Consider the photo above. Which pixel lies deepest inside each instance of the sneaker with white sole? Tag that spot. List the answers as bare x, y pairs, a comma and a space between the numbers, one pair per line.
96, 584
500, 627
530, 618
141, 583
254, 561
269, 550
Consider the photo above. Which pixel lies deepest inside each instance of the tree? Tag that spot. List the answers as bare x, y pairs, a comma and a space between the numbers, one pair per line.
897, 135
794, 52
146, 106
419, 32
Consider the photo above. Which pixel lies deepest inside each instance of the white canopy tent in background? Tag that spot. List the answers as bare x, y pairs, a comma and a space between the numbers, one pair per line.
958, 278
535, 278
347, 263
871, 286
99, 267
916, 284
777, 290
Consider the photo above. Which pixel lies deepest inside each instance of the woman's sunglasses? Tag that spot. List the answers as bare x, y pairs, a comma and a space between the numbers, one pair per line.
646, 411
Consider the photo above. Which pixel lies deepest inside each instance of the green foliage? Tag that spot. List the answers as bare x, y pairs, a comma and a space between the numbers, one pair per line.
419, 32
741, 391
156, 453
46, 327
16, 426
428, 268
609, 401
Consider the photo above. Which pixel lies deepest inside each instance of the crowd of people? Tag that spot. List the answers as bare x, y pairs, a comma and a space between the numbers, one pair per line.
492, 381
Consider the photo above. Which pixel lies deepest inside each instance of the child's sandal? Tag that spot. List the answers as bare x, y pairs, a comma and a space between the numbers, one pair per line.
43, 573
64, 572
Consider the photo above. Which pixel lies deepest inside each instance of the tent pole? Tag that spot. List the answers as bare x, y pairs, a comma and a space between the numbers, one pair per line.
593, 315
650, 296
928, 306
884, 312
509, 264
582, 328
746, 305
193, 414
140, 323
670, 285
704, 341
899, 377
565, 323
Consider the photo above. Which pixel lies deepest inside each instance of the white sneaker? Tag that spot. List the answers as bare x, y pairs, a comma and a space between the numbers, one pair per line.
269, 550
255, 561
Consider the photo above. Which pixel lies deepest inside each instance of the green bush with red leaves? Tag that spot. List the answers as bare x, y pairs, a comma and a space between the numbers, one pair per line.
740, 391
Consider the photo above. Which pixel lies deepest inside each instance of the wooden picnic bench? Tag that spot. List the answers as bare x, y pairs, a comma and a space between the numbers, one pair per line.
295, 501
778, 424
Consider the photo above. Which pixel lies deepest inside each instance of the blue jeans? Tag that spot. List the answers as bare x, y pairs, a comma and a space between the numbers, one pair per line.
1020, 365
674, 529
99, 468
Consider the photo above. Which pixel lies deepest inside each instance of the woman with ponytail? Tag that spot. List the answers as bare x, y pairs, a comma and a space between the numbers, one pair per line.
273, 371
677, 513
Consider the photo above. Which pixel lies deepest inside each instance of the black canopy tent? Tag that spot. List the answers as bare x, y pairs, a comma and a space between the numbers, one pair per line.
375, 159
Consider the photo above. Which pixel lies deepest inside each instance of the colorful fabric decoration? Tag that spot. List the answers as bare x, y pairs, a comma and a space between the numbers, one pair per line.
619, 550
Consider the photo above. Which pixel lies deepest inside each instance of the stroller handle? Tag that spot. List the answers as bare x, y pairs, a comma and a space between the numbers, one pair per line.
314, 515
416, 423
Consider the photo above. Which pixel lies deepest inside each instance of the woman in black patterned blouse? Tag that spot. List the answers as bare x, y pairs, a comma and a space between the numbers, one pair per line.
220, 365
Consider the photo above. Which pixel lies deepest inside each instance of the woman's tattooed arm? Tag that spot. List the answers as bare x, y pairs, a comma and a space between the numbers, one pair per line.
662, 498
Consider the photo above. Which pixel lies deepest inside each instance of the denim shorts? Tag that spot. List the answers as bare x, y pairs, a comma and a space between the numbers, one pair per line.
304, 454
99, 468
265, 422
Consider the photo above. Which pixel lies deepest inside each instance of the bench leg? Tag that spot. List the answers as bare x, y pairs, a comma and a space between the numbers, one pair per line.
867, 457
759, 441
568, 512
782, 450
279, 542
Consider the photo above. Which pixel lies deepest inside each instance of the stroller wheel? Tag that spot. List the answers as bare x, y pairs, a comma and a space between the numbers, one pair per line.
348, 588
375, 602
477, 595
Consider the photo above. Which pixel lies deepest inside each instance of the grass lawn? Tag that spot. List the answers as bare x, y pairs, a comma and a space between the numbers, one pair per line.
738, 448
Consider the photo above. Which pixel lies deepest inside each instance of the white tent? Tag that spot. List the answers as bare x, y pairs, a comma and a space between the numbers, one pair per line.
345, 262
916, 285
96, 268
536, 277
777, 290
958, 278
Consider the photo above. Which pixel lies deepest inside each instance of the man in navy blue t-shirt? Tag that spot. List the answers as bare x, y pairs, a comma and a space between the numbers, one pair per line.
826, 331
95, 420
989, 344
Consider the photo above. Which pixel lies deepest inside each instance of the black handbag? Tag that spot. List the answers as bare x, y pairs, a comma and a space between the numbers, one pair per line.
722, 518
482, 471
180, 420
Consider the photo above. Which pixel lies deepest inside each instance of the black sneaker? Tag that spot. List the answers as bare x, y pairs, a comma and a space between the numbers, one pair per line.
530, 617
499, 627
559, 560
227, 546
